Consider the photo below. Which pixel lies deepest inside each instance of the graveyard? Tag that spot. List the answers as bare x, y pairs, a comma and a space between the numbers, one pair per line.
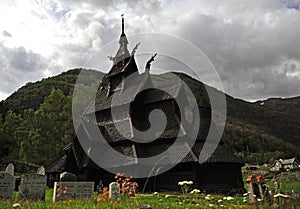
124, 193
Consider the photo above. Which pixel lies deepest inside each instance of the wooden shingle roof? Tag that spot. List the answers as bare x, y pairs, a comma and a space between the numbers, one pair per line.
58, 166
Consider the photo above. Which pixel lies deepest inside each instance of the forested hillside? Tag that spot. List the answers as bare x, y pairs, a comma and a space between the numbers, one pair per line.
36, 122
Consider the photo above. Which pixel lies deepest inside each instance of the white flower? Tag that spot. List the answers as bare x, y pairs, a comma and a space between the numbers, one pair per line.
220, 201
185, 182
189, 182
16, 205
228, 198
207, 197
195, 191
281, 195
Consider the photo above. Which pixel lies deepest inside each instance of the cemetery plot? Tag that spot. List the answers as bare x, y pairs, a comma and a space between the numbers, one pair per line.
72, 190
7, 185
114, 190
33, 187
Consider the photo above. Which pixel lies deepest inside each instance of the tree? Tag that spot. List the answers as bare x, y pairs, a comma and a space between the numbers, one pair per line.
9, 138
28, 135
54, 126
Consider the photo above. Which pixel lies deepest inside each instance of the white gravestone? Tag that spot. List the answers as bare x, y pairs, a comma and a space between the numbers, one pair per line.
114, 190
33, 187
71, 190
7, 185
41, 170
10, 169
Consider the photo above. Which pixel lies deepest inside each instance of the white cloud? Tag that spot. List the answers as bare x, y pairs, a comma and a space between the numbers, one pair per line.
253, 44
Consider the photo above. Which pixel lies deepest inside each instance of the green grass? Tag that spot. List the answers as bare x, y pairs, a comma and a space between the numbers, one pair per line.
190, 201
156, 201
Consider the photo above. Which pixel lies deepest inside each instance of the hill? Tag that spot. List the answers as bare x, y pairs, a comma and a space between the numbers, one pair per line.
287, 106
255, 132
33, 94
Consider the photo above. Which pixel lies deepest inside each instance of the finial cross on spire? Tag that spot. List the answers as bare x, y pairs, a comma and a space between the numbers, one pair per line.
122, 15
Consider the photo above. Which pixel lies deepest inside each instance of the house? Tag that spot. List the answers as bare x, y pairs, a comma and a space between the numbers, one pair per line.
287, 164
220, 173
55, 169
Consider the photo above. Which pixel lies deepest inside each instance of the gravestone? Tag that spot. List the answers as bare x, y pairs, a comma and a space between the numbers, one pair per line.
33, 187
67, 176
41, 170
7, 185
72, 190
256, 188
10, 169
114, 190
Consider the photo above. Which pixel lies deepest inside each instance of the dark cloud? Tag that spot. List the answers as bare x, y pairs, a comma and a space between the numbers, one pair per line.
7, 34
18, 66
246, 53
253, 44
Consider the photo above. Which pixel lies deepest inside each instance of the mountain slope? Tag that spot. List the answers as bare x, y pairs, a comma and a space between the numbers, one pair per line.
257, 133
288, 106
32, 94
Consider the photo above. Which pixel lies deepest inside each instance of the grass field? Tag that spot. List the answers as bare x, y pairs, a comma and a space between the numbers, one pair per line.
288, 185
156, 201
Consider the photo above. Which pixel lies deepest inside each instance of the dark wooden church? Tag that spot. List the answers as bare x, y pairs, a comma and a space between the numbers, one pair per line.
220, 173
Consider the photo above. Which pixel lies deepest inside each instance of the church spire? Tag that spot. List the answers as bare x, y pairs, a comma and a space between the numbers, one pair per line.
123, 51
122, 34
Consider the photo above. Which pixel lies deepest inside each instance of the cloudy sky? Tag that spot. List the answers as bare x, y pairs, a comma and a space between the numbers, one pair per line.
254, 45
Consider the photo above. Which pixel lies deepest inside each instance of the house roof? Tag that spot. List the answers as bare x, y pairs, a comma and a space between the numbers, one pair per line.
58, 166
133, 86
287, 161
219, 155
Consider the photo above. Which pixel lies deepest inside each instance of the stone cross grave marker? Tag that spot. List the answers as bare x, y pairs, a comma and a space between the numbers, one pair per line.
114, 190
7, 185
33, 187
10, 169
71, 190
41, 170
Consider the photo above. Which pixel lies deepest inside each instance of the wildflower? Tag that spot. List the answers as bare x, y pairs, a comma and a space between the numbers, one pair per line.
207, 197
228, 198
220, 201
245, 194
185, 185
155, 193
167, 196
281, 195
16, 205
259, 200
195, 191
211, 205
